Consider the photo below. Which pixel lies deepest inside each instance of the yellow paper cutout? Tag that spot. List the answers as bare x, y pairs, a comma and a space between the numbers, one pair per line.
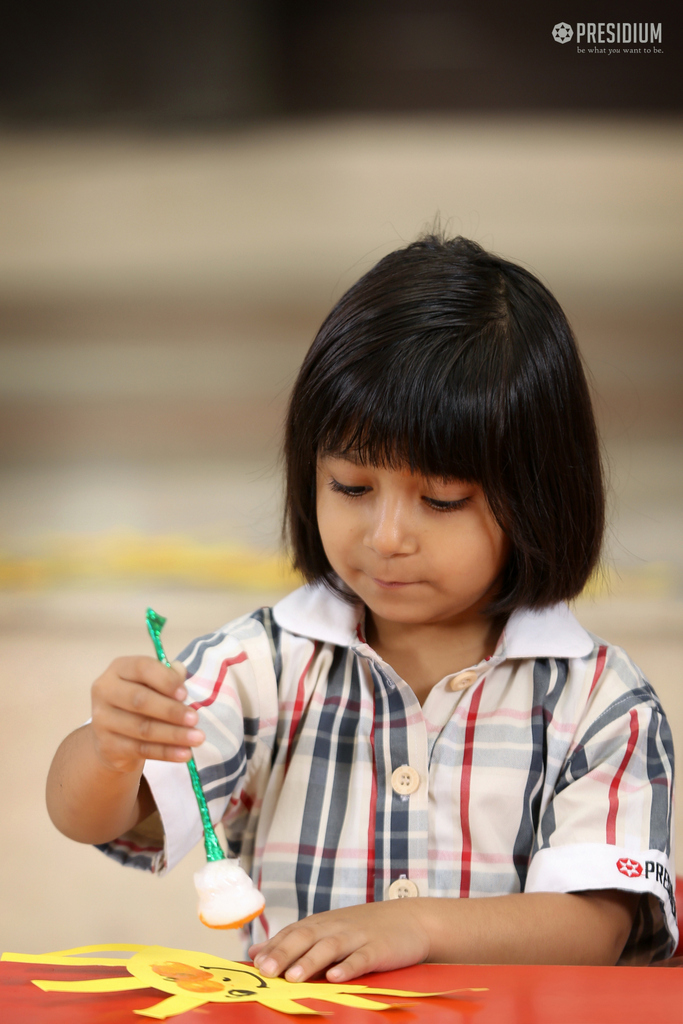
172, 1006
192, 979
96, 985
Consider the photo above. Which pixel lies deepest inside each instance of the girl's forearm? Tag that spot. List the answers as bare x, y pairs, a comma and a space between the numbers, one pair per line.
86, 800
531, 928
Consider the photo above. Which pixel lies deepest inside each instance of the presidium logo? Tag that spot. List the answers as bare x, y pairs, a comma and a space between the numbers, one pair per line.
562, 32
629, 867
634, 869
628, 33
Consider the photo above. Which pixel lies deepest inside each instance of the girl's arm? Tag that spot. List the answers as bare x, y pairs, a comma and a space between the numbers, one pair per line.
529, 928
88, 801
95, 790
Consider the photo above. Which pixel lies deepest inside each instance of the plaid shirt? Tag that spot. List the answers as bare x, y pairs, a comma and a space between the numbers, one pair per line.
547, 767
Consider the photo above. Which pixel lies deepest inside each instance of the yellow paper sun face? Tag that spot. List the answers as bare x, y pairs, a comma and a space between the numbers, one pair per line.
192, 979
220, 981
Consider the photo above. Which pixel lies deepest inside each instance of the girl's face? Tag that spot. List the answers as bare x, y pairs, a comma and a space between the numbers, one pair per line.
415, 549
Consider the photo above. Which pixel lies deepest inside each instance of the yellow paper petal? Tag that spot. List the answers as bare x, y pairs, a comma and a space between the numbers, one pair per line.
94, 985
71, 957
402, 992
100, 947
64, 961
359, 1002
275, 1001
172, 1006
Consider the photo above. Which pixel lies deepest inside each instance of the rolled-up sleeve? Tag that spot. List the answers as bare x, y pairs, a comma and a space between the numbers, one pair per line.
609, 823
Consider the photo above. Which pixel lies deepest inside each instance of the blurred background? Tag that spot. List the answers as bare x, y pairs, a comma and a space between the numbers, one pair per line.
185, 190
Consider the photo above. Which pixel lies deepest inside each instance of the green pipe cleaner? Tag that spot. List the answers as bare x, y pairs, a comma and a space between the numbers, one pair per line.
214, 851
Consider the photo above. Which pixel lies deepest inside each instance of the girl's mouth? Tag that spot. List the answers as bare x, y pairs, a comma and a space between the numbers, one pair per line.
391, 584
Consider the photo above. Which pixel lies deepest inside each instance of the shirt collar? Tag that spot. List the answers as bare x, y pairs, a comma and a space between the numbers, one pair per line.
314, 611
552, 632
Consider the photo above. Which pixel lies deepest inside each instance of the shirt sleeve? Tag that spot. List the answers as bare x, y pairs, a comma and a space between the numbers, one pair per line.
609, 822
231, 683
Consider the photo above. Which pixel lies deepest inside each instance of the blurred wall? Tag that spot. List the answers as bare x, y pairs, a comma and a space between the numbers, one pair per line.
153, 289
218, 62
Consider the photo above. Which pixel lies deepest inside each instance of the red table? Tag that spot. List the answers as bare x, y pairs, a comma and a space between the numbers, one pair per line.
516, 995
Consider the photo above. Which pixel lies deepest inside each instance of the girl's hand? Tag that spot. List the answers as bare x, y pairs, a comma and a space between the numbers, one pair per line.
356, 940
138, 714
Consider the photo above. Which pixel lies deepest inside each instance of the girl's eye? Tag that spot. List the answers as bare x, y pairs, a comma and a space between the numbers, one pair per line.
446, 506
350, 492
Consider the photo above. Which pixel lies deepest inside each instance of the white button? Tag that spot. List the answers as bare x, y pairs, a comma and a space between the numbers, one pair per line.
402, 888
405, 780
463, 680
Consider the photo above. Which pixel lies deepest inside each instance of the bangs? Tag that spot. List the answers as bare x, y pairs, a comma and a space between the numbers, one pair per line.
426, 407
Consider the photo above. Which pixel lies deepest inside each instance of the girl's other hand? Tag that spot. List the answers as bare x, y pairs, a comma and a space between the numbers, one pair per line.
348, 942
138, 714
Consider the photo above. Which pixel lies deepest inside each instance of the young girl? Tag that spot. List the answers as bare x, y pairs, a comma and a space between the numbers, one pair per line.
425, 723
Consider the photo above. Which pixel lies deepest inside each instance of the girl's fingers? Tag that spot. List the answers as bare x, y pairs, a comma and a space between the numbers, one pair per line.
149, 731
360, 962
129, 750
179, 669
284, 949
302, 953
329, 950
141, 700
138, 714
150, 672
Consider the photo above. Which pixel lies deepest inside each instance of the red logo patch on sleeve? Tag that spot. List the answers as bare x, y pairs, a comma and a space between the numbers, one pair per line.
628, 867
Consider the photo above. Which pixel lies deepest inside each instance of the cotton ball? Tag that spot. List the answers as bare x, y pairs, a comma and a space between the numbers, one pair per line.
227, 896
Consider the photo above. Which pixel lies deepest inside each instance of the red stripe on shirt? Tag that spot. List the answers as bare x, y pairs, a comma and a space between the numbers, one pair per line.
298, 708
372, 823
219, 681
465, 780
599, 665
614, 785
264, 920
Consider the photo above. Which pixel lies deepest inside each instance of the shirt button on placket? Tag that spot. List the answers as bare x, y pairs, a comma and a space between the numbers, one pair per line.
402, 889
405, 780
462, 680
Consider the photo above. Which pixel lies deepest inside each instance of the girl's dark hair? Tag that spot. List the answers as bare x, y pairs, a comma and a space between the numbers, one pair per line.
458, 364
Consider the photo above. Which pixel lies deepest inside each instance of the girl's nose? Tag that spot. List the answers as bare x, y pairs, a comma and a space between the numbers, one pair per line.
390, 531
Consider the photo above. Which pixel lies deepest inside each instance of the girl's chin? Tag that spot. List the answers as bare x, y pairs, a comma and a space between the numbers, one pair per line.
389, 607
